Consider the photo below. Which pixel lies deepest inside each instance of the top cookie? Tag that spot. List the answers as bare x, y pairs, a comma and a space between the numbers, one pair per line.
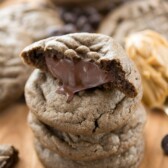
82, 61
136, 16
92, 63
35, 18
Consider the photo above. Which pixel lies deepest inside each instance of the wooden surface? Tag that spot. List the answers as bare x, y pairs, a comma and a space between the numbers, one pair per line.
14, 130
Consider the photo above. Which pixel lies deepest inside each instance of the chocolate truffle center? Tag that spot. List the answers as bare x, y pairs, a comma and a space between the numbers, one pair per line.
76, 76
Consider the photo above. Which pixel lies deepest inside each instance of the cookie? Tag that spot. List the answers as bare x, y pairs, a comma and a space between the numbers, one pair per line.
136, 16
92, 112
148, 50
8, 156
129, 159
86, 148
13, 73
106, 94
37, 19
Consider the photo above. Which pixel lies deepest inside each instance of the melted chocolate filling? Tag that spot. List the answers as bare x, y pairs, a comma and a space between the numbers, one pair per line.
77, 75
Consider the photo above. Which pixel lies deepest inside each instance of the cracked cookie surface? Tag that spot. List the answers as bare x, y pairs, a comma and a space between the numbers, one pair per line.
37, 19
129, 159
94, 111
85, 148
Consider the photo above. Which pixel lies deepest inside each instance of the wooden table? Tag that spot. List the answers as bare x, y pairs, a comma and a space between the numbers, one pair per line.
14, 130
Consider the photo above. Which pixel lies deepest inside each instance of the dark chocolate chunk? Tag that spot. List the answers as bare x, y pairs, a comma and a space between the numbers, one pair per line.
164, 144
94, 20
8, 156
84, 19
82, 22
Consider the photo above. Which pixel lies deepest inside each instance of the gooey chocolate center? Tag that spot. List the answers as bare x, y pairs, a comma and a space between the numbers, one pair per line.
76, 76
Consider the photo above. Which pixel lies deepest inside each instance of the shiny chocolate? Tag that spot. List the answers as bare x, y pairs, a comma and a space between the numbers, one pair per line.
76, 76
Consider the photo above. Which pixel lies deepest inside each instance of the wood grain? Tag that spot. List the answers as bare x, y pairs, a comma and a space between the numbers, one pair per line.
14, 130
156, 129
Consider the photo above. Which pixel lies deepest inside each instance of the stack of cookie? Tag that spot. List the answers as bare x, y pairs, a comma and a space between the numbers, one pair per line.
85, 103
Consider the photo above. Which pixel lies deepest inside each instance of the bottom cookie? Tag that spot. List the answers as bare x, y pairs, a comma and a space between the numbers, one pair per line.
129, 159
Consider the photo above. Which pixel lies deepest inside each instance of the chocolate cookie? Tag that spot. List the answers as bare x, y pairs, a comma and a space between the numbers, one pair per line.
136, 16
13, 73
85, 148
8, 156
37, 19
129, 159
102, 84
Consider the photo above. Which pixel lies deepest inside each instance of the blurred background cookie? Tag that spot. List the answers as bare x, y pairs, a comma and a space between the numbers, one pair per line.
35, 18
21, 25
135, 16
149, 51
13, 73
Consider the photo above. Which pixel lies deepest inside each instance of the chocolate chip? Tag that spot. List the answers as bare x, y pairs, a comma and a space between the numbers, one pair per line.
164, 144
87, 28
90, 11
84, 19
8, 156
82, 22
77, 11
69, 17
